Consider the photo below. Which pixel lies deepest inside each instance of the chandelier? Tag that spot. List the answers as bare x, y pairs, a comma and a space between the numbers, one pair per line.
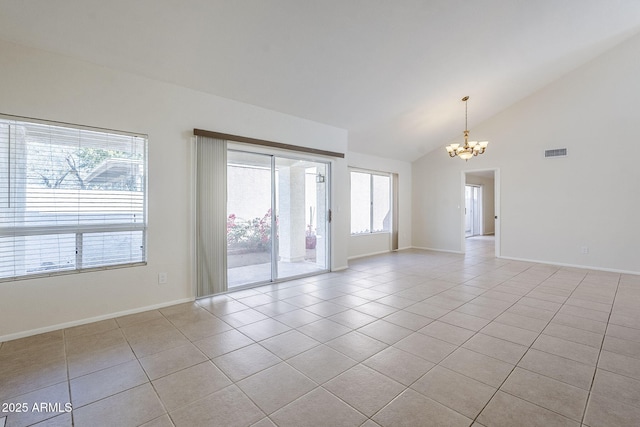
470, 148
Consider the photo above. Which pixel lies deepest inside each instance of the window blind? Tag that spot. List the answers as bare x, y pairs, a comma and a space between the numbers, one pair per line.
211, 216
71, 198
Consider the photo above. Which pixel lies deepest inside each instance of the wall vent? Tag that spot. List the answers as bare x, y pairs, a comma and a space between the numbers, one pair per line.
556, 152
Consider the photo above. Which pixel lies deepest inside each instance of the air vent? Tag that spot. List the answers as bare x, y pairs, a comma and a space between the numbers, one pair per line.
556, 152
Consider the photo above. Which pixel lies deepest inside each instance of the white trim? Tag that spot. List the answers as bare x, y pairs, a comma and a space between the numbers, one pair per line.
438, 250
582, 267
341, 268
70, 125
497, 200
372, 233
369, 171
462, 210
65, 325
369, 254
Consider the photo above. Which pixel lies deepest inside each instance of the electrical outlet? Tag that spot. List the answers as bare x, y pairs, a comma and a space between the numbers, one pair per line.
162, 278
584, 249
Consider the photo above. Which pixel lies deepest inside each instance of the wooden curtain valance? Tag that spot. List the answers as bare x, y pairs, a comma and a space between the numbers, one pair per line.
254, 141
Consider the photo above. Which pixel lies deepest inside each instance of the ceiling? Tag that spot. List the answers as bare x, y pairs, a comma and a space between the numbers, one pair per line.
390, 72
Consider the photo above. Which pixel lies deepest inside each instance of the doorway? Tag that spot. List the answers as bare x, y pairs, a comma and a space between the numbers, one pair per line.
481, 198
277, 218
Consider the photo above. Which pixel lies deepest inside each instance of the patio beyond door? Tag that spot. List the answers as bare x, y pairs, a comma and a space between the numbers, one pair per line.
276, 218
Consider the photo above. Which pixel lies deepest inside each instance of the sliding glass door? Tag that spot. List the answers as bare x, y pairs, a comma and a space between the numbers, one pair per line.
277, 222
249, 219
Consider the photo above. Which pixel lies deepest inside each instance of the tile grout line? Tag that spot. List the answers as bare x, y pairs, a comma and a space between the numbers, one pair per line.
529, 348
66, 362
595, 369
604, 337
520, 297
153, 387
361, 362
516, 364
461, 345
408, 387
458, 347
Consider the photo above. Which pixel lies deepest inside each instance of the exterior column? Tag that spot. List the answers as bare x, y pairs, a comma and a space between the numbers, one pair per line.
291, 213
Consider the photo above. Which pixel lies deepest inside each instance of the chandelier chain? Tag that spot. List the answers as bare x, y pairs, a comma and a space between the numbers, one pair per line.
466, 113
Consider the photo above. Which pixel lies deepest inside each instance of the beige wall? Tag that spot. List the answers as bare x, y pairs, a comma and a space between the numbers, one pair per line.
43, 85
551, 208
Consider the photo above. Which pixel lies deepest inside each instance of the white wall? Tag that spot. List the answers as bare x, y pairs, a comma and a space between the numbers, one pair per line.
550, 208
362, 245
43, 85
370, 244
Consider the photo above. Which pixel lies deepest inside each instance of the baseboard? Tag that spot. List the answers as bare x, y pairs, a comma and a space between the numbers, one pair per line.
65, 325
341, 268
367, 255
583, 267
438, 250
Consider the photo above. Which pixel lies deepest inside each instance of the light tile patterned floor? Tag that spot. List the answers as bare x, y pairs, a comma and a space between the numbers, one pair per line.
411, 338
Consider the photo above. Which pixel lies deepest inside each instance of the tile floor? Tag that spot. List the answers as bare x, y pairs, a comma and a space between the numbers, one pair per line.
406, 339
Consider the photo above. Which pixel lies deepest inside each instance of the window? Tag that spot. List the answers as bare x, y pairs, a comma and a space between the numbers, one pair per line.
71, 198
370, 202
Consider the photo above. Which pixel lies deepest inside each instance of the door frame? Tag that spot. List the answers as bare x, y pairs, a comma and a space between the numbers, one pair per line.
497, 202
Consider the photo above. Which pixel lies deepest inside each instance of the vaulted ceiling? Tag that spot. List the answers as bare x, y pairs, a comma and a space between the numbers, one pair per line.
390, 72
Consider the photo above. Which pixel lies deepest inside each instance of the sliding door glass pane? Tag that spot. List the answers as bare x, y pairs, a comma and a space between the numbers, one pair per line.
249, 231
301, 205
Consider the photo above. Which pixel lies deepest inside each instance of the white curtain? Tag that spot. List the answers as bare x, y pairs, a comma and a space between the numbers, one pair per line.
395, 188
211, 215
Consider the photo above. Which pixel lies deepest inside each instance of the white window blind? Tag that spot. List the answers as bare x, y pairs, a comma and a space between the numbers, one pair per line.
71, 198
211, 215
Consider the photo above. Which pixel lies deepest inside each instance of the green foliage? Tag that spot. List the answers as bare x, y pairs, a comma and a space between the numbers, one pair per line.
89, 158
